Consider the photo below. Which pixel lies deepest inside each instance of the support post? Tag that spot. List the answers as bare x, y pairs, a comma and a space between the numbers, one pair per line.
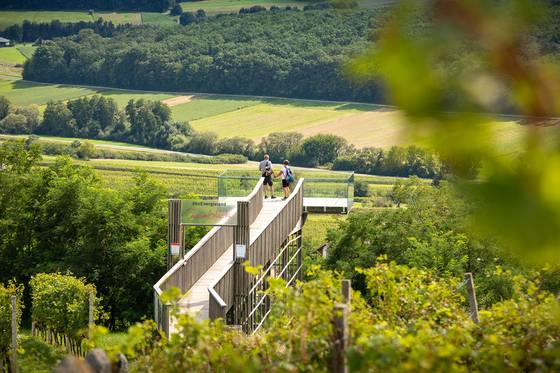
90, 314
346, 291
13, 360
241, 237
340, 338
472, 297
174, 231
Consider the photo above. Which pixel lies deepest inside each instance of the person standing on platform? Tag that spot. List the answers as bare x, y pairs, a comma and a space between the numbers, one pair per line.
287, 178
265, 168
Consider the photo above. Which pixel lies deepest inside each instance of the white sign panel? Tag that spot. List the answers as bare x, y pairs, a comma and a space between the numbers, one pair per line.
240, 251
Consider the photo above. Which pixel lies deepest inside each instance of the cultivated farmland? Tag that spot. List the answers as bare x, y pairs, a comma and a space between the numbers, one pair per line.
253, 117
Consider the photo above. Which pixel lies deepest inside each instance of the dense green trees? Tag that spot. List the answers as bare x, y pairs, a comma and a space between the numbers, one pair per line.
30, 32
397, 161
280, 53
145, 5
142, 122
63, 218
322, 149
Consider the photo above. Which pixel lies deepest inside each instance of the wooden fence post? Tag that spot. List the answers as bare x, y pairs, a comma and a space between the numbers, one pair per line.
90, 314
340, 338
346, 291
472, 296
13, 361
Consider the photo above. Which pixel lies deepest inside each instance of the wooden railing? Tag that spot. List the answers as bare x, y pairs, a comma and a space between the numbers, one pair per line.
197, 261
187, 271
261, 250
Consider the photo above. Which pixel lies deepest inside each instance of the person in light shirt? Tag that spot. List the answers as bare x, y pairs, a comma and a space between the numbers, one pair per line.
265, 168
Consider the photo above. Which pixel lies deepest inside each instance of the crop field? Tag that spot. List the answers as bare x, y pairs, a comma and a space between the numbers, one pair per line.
11, 17
361, 125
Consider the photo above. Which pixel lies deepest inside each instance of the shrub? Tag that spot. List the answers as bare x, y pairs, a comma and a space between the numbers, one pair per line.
361, 188
176, 10
60, 305
14, 123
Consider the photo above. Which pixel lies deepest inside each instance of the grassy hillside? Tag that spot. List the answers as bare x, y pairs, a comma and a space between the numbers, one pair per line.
22, 92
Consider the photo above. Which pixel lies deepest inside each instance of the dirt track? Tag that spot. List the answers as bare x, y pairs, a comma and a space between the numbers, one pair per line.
174, 101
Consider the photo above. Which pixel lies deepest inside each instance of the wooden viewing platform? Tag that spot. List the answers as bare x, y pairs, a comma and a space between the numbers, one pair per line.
213, 281
196, 301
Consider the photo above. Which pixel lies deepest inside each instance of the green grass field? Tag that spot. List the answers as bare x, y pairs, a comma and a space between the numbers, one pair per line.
208, 106
70, 139
22, 92
158, 19
11, 56
26, 93
11, 17
26, 50
229, 6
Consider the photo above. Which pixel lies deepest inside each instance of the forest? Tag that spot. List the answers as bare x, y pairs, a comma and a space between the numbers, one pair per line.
30, 32
298, 54
145, 5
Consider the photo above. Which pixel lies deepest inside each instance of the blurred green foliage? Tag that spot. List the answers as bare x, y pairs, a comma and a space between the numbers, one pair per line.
409, 319
481, 56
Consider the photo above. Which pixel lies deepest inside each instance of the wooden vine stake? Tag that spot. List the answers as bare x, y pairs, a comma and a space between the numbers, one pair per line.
13, 361
472, 296
90, 314
340, 329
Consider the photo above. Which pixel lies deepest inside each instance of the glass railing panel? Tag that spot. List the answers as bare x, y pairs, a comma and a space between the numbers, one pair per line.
208, 212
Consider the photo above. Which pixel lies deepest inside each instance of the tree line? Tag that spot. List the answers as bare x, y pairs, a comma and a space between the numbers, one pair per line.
276, 53
144, 5
150, 123
30, 32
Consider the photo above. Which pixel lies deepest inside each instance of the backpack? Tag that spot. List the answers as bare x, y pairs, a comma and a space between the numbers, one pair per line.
268, 169
289, 175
